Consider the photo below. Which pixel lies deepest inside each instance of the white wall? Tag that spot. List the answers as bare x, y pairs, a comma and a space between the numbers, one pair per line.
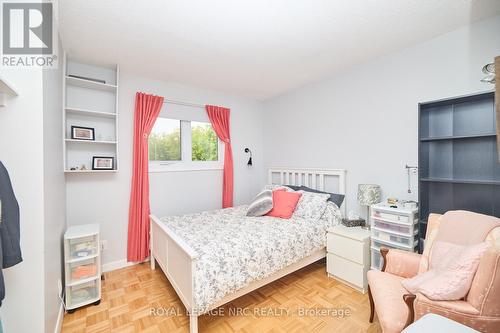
365, 119
104, 198
54, 192
21, 151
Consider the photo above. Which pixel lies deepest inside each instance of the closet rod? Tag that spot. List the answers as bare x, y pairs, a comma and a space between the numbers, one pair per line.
172, 101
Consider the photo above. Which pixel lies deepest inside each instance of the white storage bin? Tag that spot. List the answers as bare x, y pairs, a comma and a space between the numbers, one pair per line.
380, 243
394, 227
81, 270
377, 260
82, 247
391, 217
400, 240
83, 293
82, 266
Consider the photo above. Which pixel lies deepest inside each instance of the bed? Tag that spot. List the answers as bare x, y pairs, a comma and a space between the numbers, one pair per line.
214, 257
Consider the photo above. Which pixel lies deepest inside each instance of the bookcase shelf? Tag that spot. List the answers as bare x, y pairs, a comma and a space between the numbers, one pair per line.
90, 84
91, 141
90, 171
458, 157
90, 113
90, 104
458, 137
461, 181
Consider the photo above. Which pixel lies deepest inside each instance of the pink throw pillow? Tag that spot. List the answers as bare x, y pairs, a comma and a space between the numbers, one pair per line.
284, 203
451, 270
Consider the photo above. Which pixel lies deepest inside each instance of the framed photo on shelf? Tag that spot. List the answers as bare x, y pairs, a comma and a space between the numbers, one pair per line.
82, 133
103, 163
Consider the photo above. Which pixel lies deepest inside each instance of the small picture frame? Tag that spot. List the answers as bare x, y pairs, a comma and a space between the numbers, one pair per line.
103, 163
82, 133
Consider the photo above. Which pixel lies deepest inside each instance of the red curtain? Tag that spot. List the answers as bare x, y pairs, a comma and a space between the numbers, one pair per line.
147, 108
219, 117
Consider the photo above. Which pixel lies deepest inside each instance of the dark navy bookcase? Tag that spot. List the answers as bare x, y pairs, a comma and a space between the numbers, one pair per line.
458, 157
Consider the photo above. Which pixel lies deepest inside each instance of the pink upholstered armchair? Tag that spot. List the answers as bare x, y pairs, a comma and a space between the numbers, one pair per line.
480, 309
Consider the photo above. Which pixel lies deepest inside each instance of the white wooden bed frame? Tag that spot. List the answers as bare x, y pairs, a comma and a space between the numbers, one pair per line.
177, 259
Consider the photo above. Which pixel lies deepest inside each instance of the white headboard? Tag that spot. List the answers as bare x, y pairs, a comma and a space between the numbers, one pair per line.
317, 179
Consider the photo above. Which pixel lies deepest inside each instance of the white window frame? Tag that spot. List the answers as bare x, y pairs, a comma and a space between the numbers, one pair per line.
186, 163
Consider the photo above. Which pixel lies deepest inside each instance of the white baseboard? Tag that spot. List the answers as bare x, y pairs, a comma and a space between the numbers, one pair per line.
111, 266
59, 321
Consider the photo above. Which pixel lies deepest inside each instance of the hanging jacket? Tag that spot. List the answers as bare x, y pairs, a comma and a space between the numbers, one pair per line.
10, 250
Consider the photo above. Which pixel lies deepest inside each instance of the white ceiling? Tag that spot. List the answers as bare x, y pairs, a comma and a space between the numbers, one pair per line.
258, 48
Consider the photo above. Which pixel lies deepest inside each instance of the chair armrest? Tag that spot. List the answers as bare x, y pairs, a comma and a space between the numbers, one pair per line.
462, 308
401, 263
460, 311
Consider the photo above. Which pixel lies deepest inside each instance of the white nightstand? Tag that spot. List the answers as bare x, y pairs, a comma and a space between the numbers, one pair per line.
348, 257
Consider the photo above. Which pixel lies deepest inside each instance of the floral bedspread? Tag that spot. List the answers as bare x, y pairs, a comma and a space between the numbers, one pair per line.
235, 250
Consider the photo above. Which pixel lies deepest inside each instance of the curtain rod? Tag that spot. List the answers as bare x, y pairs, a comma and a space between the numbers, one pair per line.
172, 101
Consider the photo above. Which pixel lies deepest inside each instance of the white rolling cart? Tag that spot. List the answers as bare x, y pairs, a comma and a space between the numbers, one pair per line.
82, 261
395, 228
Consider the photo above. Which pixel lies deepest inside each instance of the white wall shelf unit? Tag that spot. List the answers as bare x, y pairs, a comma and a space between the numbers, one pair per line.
6, 89
91, 104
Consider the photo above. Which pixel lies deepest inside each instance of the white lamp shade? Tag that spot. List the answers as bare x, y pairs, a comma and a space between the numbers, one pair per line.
368, 194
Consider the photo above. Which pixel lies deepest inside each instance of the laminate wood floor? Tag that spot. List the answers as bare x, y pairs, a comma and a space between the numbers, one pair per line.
137, 299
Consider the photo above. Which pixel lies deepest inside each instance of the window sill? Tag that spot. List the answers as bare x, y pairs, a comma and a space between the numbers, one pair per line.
180, 167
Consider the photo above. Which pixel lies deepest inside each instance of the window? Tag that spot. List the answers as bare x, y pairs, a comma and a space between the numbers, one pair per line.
178, 145
204, 142
165, 140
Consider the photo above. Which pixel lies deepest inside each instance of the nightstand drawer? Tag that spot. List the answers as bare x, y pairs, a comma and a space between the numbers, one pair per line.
347, 248
346, 270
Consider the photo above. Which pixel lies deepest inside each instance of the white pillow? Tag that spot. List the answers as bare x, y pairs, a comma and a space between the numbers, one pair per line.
332, 215
261, 204
311, 205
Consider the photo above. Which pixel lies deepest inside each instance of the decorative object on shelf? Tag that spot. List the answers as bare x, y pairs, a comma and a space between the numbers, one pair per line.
353, 222
103, 163
392, 201
82, 133
409, 204
87, 78
73, 168
83, 167
248, 151
410, 169
368, 194
489, 70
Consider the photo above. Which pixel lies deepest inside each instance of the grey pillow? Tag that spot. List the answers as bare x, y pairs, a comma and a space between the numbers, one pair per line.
261, 204
293, 187
334, 197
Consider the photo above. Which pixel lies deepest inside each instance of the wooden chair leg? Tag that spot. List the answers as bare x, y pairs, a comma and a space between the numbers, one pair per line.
372, 305
409, 300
